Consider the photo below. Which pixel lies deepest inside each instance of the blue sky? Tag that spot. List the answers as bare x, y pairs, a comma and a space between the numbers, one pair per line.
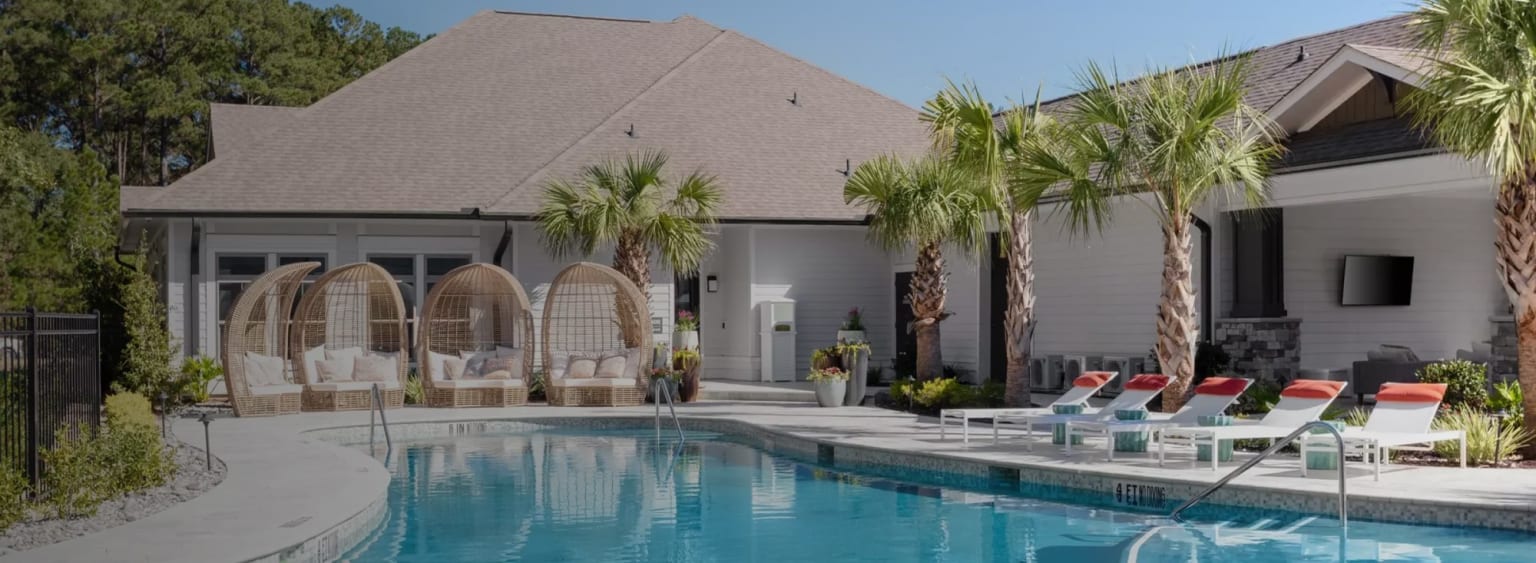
905, 48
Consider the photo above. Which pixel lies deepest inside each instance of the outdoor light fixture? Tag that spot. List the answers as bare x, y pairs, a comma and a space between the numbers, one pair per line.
712, 284
207, 441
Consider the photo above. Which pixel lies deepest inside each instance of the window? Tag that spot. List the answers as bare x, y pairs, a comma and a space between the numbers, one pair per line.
234, 272
415, 274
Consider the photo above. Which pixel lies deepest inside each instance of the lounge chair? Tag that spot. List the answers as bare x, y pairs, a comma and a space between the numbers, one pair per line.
1085, 386
1404, 415
1138, 391
1300, 402
1212, 397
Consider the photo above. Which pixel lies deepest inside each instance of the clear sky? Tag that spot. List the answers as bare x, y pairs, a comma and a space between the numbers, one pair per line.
905, 48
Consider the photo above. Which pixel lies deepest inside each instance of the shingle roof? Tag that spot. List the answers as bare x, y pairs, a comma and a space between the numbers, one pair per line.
484, 113
237, 125
1355, 141
132, 197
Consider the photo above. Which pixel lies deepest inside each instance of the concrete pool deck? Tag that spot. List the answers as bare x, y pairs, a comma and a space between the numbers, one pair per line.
288, 493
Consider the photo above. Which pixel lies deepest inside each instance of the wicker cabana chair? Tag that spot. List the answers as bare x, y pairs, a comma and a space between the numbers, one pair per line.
352, 314
594, 314
475, 314
255, 344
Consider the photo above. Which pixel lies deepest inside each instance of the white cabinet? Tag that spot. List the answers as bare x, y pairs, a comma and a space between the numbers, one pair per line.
777, 330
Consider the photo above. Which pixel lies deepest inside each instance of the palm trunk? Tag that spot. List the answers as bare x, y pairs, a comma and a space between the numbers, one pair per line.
1021, 310
928, 293
1176, 328
1515, 262
632, 258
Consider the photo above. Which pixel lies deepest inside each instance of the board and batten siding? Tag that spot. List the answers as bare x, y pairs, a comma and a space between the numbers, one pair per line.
826, 270
1454, 288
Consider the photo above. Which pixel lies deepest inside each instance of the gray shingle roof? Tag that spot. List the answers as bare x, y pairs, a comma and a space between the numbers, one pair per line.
484, 113
235, 126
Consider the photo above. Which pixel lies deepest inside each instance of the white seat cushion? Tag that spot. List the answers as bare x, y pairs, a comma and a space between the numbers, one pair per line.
261, 370
477, 383
354, 385
277, 389
594, 382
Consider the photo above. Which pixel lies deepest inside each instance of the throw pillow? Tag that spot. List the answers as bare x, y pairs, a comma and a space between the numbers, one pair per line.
507, 352
453, 368
558, 361
373, 367
435, 365
263, 370
611, 366
476, 365
500, 368
345, 357
582, 367
312, 355
330, 371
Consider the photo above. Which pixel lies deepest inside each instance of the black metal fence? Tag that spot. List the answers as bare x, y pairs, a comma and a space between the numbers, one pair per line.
50, 379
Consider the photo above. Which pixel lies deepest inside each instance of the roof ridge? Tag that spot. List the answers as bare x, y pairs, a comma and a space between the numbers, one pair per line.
569, 16
605, 121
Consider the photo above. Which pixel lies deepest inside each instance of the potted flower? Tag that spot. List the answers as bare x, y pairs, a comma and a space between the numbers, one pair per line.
831, 385
853, 327
854, 357
685, 365
668, 378
685, 335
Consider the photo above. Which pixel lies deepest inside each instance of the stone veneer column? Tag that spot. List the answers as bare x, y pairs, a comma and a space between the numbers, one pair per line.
1261, 347
1503, 361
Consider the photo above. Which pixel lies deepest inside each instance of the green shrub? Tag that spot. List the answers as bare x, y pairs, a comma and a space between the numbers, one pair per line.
78, 478
1465, 382
1488, 439
414, 393
1507, 397
1260, 398
197, 373
135, 458
1356, 417
536, 386
125, 409
13, 495
148, 354
944, 393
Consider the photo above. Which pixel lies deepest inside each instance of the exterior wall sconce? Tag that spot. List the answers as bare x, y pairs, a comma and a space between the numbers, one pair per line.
712, 284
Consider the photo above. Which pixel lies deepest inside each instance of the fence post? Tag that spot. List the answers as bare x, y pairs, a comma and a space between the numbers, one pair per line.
33, 468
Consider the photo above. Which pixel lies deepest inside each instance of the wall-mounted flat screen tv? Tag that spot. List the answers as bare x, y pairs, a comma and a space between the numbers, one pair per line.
1377, 280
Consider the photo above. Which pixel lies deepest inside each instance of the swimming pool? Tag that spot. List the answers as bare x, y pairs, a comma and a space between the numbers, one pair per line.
625, 495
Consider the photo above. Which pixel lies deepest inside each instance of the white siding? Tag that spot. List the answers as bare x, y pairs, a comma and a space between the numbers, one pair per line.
826, 270
1454, 290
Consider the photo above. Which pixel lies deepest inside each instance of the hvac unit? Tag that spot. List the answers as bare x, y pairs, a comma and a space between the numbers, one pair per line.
1071, 368
1039, 374
1053, 377
1095, 363
1121, 365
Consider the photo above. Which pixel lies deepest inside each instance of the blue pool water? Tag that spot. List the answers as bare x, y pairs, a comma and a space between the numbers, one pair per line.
598, 496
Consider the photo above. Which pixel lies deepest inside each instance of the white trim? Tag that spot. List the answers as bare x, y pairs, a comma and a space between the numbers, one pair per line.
1283, 111
378, 244
266, 245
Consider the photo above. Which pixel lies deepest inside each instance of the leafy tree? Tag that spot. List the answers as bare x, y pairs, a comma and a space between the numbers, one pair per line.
1173, 138
57, 223
148, 352
970, 131
631, 204
131, 79
1478, 98
928, 203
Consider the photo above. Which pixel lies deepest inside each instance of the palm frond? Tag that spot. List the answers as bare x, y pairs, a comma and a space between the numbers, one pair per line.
931, 199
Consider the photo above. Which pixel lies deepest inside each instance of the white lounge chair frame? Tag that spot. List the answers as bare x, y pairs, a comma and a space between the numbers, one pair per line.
1074, 396
1288, 415
1126, 400
1202, 404
1392, 424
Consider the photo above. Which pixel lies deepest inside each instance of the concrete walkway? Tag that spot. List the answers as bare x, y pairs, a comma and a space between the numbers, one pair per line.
285, 487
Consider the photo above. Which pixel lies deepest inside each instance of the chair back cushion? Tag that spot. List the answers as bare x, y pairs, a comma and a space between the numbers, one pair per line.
1312, 389
1222, 386
1094, 379
1147, 382
1411, 393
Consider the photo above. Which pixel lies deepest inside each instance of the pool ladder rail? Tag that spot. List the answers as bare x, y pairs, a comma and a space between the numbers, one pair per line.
376, 402
661, 392
1275, 447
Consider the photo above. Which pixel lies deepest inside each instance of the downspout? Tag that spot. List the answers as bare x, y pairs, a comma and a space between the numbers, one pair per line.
1205, 276
501, 246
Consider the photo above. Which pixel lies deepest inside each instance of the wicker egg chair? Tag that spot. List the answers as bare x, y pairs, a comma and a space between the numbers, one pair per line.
255, 344
475, 312
351, 312
591, 310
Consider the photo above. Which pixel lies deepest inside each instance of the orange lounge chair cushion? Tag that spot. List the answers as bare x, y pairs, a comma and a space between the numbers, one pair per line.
1313, 389
1411, 393
1147, 382
1092, 379
1222, 386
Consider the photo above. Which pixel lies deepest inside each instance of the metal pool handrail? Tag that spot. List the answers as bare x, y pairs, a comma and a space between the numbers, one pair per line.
661, 391
1338, 438
377, 403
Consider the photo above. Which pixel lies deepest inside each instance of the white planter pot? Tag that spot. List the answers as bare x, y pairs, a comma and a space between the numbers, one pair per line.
830, 393
851, 336
685, 340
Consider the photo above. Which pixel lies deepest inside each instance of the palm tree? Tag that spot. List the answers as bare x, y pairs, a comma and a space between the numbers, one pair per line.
927, 203
1171, 139
629, 203
1478, 99
971, 132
